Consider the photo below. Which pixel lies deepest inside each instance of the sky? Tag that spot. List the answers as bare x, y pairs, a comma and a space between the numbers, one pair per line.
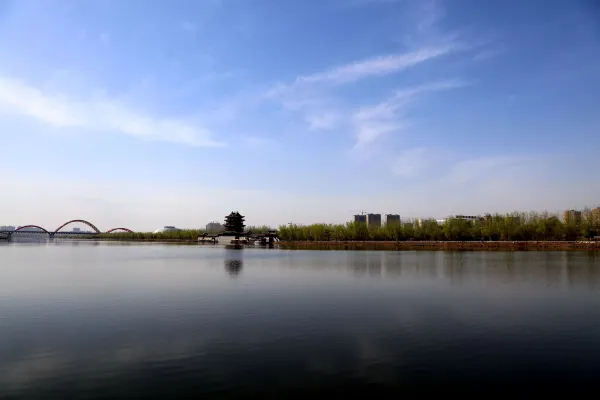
142, 114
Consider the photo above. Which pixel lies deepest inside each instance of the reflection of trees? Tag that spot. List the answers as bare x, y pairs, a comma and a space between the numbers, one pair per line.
582, 269
366, 262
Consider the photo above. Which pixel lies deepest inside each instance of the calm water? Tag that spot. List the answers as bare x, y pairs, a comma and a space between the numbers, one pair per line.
83, 320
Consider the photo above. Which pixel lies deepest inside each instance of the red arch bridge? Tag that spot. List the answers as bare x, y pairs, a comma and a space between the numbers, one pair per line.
36, 229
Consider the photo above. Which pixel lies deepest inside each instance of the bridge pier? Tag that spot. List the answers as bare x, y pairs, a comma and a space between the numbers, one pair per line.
51, 236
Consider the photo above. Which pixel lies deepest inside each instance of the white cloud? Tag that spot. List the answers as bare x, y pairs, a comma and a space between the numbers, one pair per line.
376, 66
98, 114
309, 94
374, 121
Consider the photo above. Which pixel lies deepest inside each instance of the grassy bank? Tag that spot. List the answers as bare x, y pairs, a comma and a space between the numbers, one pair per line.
499, 227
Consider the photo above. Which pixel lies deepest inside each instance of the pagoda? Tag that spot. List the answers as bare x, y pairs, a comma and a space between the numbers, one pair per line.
234, 222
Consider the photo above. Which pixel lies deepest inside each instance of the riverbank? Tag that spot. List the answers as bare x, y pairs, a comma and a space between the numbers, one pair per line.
400, 245
441, 245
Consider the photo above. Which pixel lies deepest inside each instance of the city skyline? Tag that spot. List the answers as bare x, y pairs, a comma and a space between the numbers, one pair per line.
302, 111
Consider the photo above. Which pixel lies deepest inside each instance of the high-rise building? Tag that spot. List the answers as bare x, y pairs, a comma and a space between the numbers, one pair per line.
392, 219
214, 227
572, 216
360, 218
374, 220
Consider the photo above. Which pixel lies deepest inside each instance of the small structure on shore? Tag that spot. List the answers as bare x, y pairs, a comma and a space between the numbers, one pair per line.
234, 226
167, 228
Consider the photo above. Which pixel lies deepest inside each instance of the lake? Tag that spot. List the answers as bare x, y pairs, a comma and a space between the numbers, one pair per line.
98, 320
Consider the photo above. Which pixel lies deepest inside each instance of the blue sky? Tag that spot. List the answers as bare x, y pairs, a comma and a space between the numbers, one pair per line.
144, 113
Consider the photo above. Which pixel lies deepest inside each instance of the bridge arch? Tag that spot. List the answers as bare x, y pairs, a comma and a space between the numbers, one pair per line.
80, 221
30, 226
119, 229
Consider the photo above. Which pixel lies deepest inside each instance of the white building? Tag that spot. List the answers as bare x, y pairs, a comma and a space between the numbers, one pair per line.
214, 227
467, 217
167, 229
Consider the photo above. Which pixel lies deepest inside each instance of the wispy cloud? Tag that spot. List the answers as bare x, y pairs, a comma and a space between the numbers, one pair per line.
98, 114
316, 96
373, 121
376, 66
310, 94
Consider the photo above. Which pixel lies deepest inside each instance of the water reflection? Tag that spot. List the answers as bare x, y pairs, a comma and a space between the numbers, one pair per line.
84, 320
366, 263
233, 260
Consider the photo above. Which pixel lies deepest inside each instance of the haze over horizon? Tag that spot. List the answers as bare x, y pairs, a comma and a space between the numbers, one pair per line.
144, 114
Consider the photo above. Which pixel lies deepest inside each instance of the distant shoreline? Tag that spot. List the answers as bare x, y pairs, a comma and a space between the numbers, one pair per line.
442, 245
400, 245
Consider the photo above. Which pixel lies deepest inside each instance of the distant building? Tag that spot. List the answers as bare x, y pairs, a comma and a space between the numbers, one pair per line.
167, 229
374, 220
596, 215
7, 228
572, 216
76, 229
421, 221
392, 219
466, 217
214, 227
360, 218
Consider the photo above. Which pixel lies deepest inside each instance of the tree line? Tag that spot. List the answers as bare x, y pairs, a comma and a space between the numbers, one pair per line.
512, 227
182, 235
